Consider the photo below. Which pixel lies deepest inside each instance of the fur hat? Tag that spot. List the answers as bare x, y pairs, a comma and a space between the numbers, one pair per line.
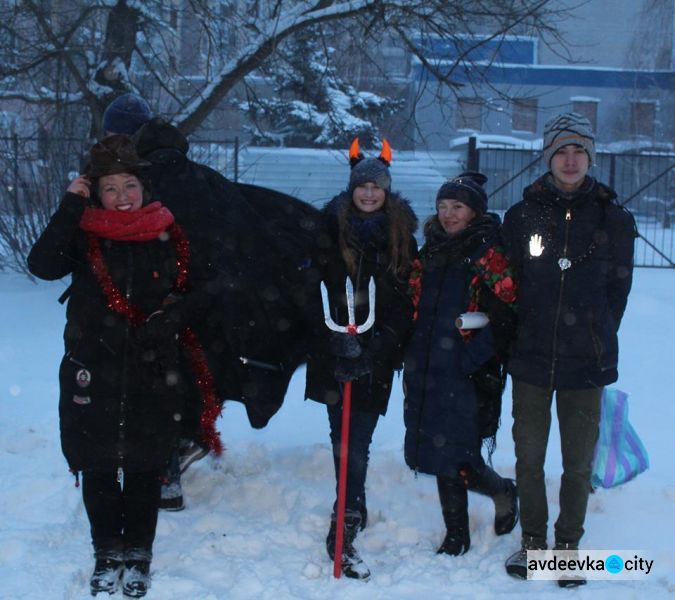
565, 129
126, 114
468, 188
369, 170
114, 154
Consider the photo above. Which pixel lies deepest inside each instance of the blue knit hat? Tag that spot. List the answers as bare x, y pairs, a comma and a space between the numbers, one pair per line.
126, 114
468, 188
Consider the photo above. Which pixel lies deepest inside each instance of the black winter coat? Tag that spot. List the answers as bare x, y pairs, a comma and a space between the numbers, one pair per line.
440, 410
253, 241
117, 408
393, 311
569, 317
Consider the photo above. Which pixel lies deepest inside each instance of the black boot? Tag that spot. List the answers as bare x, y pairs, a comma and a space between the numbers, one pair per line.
352, 564
506, 508
503, 493
136, 578
106, 575
171, 498
455, 506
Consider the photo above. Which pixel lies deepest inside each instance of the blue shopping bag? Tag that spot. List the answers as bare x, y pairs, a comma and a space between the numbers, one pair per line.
619, 454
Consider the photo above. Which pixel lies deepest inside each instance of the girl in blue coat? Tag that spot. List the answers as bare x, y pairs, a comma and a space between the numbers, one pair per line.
462, 270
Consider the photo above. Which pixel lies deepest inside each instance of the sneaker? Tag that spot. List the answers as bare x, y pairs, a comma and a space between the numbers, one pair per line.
569, 581
136, 578
171, 498
189, 452
516, 564
106, 576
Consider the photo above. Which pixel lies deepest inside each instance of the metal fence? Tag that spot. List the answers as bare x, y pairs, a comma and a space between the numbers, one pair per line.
645, 184
34, 168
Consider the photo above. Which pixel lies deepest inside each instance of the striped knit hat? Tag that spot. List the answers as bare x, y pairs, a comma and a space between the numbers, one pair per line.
568, 128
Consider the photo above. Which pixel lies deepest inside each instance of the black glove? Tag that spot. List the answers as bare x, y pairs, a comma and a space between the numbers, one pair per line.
344, 345
349, 369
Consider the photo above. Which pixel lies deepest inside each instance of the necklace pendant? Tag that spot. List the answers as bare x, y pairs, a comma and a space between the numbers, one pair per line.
564, 263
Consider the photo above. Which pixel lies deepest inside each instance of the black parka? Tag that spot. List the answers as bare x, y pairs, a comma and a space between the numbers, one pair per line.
393, 310
250, 242
569, 317
117, 408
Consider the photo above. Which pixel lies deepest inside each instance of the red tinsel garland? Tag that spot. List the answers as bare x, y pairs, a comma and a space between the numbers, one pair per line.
117, 303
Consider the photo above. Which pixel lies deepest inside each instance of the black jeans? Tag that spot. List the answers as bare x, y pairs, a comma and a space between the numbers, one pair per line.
361, 428
123, 518
579, 419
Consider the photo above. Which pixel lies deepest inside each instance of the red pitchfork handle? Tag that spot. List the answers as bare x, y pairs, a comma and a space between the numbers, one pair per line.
342, 479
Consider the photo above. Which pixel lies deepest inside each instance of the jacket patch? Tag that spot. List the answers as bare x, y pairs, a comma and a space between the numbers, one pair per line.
81, 400
83, 378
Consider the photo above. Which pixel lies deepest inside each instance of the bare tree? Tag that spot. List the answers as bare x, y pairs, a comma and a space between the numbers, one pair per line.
85, 53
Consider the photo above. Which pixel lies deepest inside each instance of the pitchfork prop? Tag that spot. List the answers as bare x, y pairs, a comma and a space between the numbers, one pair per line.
352, 329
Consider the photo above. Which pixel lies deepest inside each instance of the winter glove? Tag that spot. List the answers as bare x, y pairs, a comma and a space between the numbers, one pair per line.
349, 369
344, 345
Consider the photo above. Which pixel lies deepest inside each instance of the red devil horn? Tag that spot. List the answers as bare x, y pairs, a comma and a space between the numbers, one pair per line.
354, 149
355, 155
385, 154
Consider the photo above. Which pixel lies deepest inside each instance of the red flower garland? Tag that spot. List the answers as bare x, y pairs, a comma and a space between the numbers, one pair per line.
117, 303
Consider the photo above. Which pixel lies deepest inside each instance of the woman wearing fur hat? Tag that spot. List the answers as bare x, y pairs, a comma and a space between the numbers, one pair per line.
572, 246
453, 379
121, 383
369, 234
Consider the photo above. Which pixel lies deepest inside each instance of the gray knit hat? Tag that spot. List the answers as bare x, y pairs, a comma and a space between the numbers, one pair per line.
369, 170
126, 114
568, 128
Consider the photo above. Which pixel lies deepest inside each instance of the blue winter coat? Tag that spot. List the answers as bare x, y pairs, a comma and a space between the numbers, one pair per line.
440, 410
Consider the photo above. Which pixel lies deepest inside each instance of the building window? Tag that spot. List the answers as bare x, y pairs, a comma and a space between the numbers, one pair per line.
524, 114
470, 113
589, 109
642, 118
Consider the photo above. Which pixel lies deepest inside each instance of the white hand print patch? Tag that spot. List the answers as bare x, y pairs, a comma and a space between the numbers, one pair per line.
536, 247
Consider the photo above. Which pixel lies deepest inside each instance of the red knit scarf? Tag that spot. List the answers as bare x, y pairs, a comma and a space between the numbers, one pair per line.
147, 227
142, 225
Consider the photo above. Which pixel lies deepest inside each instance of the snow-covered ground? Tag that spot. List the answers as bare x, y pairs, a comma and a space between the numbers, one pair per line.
256, 519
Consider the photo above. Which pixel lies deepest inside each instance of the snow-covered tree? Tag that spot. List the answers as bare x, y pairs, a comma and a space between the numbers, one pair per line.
63, 61
189, 55
311, 105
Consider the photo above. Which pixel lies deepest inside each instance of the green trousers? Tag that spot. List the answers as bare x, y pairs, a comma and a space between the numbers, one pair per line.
579, 418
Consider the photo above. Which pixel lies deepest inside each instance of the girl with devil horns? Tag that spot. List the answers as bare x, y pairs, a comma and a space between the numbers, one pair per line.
368, 233
126, 338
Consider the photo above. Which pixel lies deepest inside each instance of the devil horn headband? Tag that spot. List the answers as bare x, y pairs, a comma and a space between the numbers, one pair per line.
356, 156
